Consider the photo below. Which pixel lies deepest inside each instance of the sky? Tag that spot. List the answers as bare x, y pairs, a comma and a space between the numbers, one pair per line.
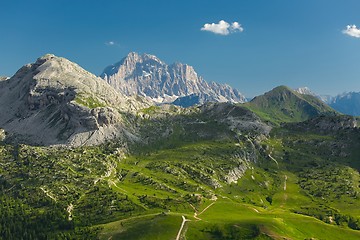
252, 45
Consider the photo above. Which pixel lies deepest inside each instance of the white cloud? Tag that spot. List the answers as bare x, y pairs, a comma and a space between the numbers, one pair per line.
235, 26
223, 27
110, 43
352, 31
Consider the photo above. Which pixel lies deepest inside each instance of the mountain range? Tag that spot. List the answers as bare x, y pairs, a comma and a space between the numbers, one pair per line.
54, 101
346, 103
146, 75
116, 157
178, 83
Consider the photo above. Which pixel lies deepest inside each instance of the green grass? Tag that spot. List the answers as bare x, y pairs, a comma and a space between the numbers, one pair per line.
150, 110
142, 193
285, 105
154, 227
228, 220
88, 101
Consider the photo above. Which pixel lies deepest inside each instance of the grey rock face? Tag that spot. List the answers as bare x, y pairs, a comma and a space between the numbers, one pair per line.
326, 124
238, 119
55, 101
305, 90
148, 76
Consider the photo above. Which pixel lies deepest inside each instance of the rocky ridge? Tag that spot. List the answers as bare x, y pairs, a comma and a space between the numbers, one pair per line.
305, 90
148, 76
55, 101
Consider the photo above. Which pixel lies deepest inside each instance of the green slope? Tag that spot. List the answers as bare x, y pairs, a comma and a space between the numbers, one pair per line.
285, 105
299, 182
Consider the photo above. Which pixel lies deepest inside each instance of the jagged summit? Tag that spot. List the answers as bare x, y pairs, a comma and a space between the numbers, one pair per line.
305, 90
129, 63
148, 76
55, 101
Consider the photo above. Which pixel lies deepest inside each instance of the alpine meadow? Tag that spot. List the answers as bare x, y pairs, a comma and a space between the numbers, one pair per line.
152, 149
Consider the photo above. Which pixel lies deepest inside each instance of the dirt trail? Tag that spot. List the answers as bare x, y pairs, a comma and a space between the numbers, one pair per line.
195, 216
113, 183
285, 194
181, 227
206, 208
277, 164
195, 213
255, 210
48, 193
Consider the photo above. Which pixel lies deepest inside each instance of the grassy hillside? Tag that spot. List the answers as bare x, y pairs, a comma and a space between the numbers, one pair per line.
285, 105
299, 182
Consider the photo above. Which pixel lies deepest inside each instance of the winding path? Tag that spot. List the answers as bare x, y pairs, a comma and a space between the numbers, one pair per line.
277, 164
195, 216
206, 208
285, 183
285, 194
182, 226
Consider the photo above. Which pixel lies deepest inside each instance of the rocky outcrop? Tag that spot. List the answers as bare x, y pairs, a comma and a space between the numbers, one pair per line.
148, 76
2, 134
2, 78
326, 124
237, 118
55, 101
334, 123
236, 173
305, 91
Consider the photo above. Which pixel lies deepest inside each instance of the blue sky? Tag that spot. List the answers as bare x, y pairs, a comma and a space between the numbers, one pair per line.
280, 42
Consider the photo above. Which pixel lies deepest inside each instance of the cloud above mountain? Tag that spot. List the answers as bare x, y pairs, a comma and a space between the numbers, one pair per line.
223, 27
110, 43
352, 31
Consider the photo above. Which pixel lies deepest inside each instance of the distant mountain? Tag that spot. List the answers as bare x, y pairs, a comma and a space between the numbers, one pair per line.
285, 105
307, 91
55, 101
2, 78
148, 76
347, 103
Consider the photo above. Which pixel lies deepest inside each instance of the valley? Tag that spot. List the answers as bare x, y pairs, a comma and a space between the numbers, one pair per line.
282, 166
143, 194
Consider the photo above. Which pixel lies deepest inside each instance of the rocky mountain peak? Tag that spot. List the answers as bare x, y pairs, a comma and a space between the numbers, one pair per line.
305, 90
55, 101
148, 76
46, 57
